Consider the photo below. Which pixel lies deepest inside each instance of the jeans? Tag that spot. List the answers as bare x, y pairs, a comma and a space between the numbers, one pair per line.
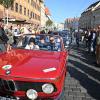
2, 47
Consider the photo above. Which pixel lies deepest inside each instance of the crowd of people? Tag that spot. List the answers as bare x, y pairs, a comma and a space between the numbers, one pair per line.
91, 39
9, 34
13, 36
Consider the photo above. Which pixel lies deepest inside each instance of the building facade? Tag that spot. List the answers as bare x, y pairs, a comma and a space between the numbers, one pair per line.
71, 23
43, 15
60, 26
90, 18
29, 10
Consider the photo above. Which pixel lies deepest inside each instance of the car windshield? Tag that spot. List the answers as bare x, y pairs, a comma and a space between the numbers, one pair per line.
40, 42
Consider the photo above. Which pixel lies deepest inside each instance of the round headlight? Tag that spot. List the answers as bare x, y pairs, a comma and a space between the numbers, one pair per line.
31, 94
48, 88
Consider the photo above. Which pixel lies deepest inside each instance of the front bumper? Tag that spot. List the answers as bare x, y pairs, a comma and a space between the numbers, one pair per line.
6, 97
21, 98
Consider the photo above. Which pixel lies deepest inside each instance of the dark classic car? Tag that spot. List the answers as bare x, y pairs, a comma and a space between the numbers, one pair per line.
34, 74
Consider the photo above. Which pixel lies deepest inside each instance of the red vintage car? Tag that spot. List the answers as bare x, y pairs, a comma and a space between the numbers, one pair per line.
30, 74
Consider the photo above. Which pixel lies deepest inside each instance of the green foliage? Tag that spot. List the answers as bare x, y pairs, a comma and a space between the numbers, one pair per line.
7, 3
1, 1
49, 23
41, 1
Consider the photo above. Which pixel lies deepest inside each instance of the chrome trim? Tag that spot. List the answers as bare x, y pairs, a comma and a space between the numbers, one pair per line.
8, 85
30, 78
14, 85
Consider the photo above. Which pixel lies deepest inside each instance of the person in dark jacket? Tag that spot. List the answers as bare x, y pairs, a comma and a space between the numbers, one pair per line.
3, 39
90, 35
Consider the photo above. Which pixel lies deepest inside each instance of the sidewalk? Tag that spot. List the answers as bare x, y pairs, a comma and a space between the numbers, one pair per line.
83, 79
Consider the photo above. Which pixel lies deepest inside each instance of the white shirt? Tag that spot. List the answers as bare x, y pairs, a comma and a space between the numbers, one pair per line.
32, 47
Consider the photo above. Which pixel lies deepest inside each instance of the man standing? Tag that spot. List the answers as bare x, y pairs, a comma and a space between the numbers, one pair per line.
3, 39
77, 35
90, 35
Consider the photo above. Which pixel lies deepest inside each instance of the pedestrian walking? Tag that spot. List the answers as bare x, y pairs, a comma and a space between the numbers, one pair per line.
90, 35
86, 39
94, 41
77, 35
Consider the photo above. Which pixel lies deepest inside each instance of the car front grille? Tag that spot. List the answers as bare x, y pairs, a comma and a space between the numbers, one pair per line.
12, 86
8, 85
24, 86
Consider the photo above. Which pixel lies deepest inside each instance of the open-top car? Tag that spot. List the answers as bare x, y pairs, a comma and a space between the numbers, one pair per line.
34, 70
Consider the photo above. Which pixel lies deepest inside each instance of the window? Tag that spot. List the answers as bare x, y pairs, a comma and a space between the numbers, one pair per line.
12, 7
31, 2
24, 11
28, 1
31, 14
28, 13
20, 9
35, 16
16, 7
39, 18
38, 8
34, 4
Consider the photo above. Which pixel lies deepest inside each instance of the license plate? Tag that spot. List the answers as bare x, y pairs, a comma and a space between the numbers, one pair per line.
6, 98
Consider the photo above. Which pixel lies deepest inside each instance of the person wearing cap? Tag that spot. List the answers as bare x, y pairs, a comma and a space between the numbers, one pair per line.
31, 45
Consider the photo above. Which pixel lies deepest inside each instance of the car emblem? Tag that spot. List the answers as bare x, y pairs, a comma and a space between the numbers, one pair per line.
7, 67
8, 72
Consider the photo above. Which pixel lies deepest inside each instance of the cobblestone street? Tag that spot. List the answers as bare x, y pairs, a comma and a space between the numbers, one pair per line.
83, 79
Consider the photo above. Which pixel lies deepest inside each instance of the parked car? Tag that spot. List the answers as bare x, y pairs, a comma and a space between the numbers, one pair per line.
34, 74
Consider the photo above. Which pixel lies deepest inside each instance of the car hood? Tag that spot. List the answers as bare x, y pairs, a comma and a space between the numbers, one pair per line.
31, 64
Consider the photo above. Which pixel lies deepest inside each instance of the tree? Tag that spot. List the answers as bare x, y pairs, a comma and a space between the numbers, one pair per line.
49, 23
41, 1
7, 4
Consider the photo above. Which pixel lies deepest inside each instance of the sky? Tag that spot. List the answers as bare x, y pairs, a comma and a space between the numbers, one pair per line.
62, 9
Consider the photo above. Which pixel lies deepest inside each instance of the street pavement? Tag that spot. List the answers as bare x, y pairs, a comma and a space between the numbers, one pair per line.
83, 77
